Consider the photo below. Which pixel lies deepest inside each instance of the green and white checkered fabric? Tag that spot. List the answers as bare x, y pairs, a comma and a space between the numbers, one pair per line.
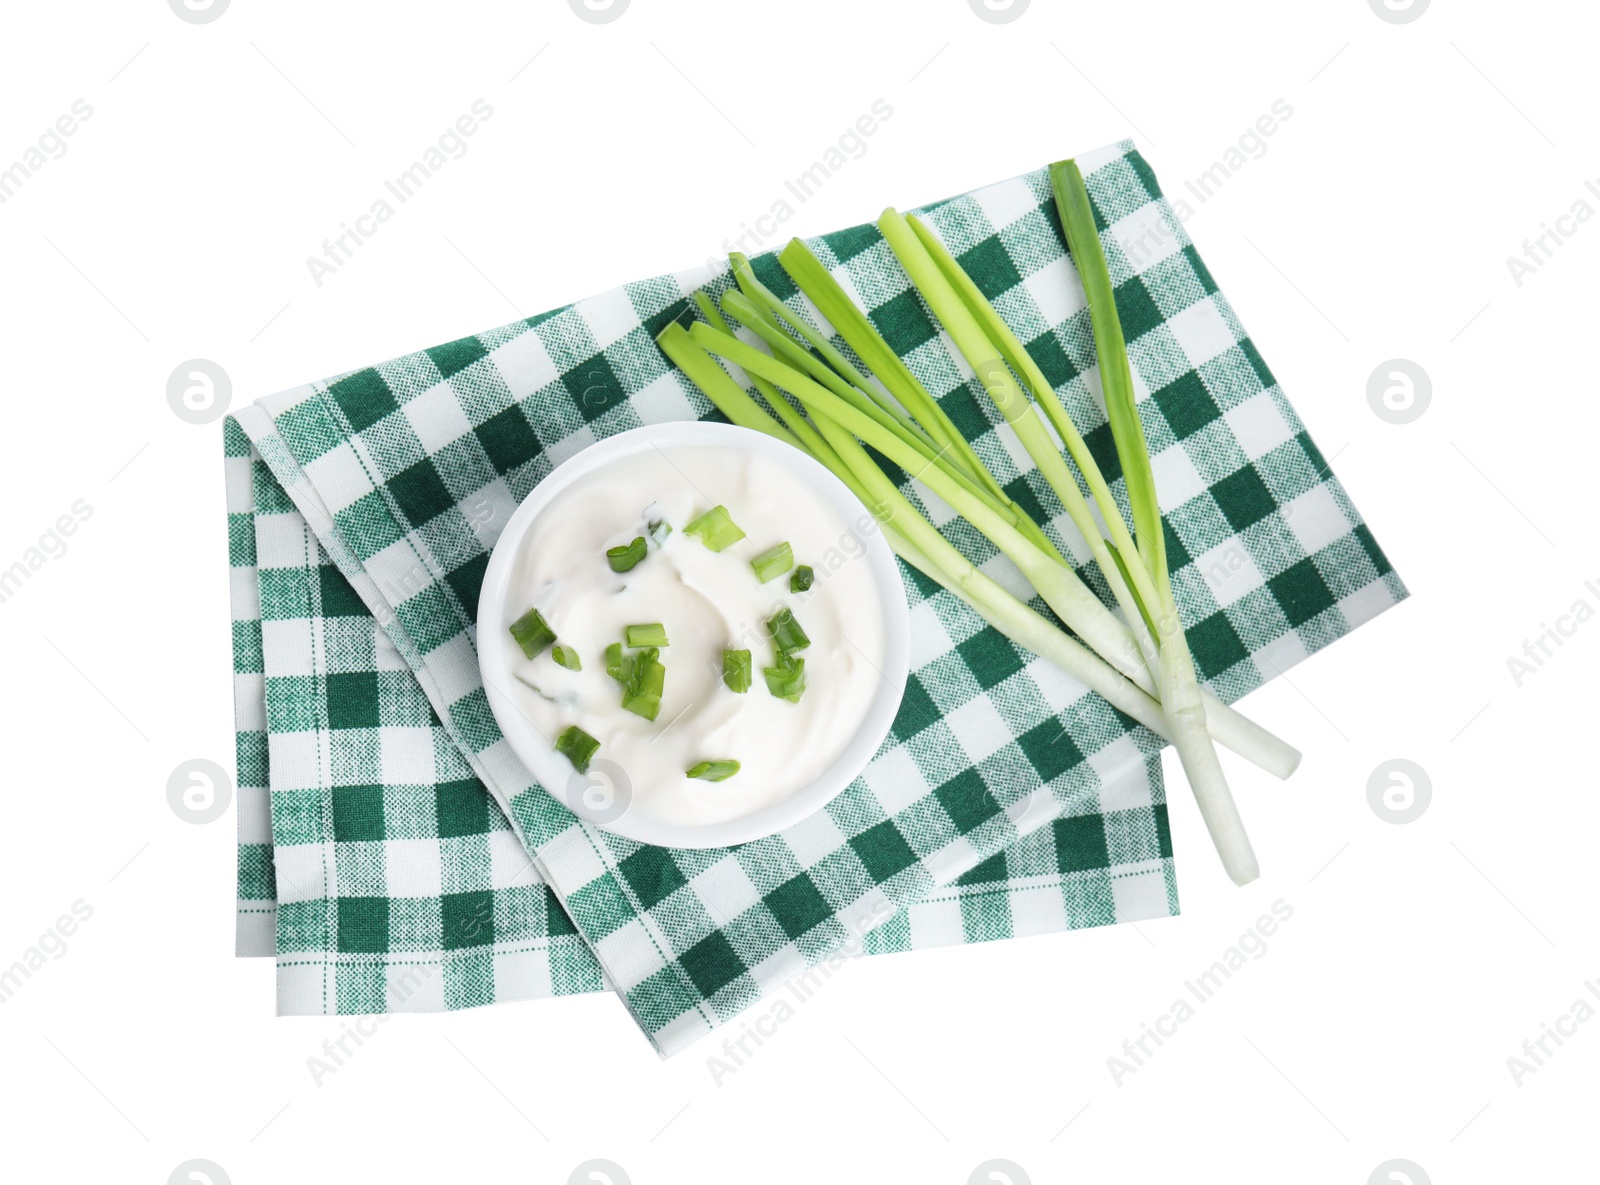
395, 882
1006, 798
256, 910
403, 888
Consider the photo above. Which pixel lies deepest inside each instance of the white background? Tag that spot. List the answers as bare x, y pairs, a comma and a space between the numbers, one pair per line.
1376, 225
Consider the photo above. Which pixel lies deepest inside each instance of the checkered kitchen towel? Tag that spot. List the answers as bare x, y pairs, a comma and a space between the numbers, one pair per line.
411, 892
395, 888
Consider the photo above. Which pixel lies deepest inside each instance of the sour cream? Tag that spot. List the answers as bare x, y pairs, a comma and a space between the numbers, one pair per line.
708, 601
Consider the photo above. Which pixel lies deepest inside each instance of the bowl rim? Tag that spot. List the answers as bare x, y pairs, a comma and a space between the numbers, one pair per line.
548, 768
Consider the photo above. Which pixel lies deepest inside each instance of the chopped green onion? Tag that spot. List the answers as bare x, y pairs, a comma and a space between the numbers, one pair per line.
715, 529
532, 633
736, 670
577, 747
646, 680
786, 633
713, 771
787, 680
772, 563
623, 559
802, 579
566, 656
642, 675
653, 634
658, 530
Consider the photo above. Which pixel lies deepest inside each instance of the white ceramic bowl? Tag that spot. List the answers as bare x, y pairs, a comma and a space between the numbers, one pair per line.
555, 772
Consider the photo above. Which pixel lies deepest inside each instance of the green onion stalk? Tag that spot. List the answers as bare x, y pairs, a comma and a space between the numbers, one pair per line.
758, 320
917, 541
934, 427
823, 403
1057, 584
1227, 726
1180, 692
